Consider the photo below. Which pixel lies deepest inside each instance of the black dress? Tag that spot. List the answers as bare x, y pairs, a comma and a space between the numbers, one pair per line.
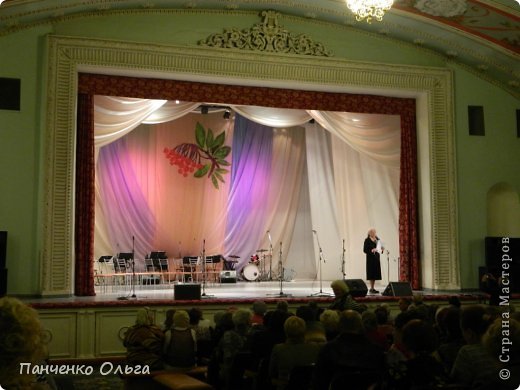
373, 263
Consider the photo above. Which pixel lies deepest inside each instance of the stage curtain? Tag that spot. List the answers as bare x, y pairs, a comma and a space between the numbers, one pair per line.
409, 267
274, 117
145, 197
84, 199
322, 194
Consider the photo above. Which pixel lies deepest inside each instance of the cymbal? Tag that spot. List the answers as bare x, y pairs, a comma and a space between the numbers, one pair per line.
234, 257
262, 250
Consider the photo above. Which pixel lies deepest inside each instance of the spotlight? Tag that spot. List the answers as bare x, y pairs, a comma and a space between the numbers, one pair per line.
204, 110
227, 114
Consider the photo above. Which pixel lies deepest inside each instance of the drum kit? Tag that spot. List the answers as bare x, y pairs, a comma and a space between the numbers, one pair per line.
259, 268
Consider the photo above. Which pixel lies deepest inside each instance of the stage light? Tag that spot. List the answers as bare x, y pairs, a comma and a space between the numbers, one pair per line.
204, 110
227, 114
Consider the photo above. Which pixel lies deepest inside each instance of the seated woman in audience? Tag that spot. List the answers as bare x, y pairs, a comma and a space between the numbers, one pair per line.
474, 366
22, 340
453, 341
232, 342
398, 352
294, 352
168, 321
384, 324
371, 330
180, 343
508, 359
421, 370
330, 320
144, 341
342, 298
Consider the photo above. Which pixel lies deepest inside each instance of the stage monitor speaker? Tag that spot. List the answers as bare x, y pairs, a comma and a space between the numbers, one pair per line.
186, 292
357, 287
3, 249
398, 289
228, 276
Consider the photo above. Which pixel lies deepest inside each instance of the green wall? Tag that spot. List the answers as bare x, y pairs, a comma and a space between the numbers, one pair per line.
481, 161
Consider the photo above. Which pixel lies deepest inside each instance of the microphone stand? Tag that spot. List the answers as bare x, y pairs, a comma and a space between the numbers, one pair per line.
270, 277
281, 294
321, 259
133, 268
204, 274
343, 261
388, 264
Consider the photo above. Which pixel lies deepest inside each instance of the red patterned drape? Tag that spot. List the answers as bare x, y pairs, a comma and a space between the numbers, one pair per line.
85, 197
91, 84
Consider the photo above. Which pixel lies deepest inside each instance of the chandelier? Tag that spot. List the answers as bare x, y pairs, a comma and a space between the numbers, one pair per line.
369, 9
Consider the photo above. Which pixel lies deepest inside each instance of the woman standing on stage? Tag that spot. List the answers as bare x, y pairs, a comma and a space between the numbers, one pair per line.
371, 249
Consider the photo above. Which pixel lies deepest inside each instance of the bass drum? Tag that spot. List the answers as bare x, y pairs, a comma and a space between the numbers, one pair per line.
250, 272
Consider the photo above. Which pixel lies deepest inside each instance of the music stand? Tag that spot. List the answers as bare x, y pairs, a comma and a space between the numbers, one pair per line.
129, 256
105, 259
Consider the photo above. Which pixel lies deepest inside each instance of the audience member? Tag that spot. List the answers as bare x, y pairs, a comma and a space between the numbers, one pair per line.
314, 329
454, 301
398, 352
404, 303
144, 341
232, 342
369, 320
452, 339
180, 343
294, 352
22, 340
259, 309
350, 351
384, 324
168, 320
474, 366
421, 370
342, 298
504, 333
330, 320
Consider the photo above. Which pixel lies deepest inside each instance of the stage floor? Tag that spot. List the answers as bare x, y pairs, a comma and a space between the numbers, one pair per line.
300, 290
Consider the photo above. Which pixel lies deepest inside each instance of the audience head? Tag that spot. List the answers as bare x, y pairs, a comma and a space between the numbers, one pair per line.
450, 323
419, 337
22, 340
474, 322
242, 319
382, 313
224, 320
259, 308
369, 321
294, 328
195, 315
330, 320
181, 319
282, 306
493, 341
454, 301
404, 303
168, 320
339, 287
306, 313
144, 317
350, 322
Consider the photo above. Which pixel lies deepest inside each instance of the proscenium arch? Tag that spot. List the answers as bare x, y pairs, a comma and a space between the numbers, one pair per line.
431, 87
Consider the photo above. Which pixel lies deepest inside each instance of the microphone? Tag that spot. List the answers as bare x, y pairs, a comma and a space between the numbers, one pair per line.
267, 232
314, 231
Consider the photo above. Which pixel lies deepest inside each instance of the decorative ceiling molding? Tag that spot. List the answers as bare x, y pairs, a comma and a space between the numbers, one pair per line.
268, 36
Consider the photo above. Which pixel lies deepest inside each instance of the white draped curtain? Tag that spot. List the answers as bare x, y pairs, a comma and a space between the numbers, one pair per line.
338, 176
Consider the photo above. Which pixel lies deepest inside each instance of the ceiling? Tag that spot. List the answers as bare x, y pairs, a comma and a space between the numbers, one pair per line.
482, 35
